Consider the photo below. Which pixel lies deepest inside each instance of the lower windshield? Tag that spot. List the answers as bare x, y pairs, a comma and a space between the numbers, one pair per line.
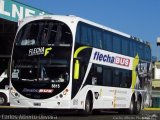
40, 78
41, 70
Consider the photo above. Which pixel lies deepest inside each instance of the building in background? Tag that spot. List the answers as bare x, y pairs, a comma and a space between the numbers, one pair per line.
156, 85
156, 80
10, 12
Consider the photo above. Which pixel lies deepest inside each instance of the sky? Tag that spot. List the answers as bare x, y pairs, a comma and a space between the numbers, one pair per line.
139, 18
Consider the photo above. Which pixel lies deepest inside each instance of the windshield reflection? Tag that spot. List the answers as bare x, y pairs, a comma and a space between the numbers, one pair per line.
41, 71
44, 32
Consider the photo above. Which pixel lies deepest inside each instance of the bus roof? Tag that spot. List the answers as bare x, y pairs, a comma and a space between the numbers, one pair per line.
78, 19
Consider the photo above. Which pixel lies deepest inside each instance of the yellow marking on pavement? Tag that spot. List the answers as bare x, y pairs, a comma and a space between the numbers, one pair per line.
7, 107
151, 109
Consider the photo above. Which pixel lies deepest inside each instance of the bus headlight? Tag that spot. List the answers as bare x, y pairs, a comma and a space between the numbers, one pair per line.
14, 93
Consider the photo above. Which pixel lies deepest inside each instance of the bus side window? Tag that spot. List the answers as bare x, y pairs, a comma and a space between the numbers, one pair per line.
83, 34
125, 46
116, 78
97, 38
135, 52
116, 44
93, 75
107, 76
140, 51
78, 33
131, 47
99, 75
107, 41
89, 36
124, 80
148, 54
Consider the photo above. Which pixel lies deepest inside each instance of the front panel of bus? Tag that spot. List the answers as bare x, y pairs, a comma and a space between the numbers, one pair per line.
41, 60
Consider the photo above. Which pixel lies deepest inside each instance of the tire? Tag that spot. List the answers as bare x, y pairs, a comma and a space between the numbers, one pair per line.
3, 99
88, 105
132, 106
138, 106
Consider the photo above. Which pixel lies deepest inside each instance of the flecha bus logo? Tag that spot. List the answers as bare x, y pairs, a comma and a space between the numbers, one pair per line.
39, 51
111, 59
122, 61
45, 90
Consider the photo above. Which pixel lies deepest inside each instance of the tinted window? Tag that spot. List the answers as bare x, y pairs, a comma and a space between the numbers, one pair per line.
107, 41
131, 48
126, 79
125, 46
134, 49
89, 36
84, 34
116, 78
97, 38
107, 76
116, 44
140, 51
78, 33
148, 54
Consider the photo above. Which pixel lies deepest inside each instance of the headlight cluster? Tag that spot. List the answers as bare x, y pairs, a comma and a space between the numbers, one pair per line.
14, 92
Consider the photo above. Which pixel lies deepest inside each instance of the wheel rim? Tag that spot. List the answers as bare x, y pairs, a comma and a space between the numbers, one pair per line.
2, 100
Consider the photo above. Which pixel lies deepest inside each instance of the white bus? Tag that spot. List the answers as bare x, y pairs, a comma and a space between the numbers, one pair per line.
66, 62
4, 80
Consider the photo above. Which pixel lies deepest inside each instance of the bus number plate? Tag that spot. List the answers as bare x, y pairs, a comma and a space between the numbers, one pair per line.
55, 86
37, 104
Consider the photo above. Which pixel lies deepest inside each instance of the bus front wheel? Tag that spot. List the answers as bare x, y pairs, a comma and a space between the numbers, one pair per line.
88, 104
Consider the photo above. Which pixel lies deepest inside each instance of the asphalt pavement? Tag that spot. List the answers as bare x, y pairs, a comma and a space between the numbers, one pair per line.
7, 113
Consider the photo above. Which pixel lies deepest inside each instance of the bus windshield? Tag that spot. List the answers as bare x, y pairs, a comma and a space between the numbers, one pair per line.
41, 58
44, 32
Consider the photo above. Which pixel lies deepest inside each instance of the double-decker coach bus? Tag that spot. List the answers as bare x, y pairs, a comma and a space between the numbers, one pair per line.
66, 62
